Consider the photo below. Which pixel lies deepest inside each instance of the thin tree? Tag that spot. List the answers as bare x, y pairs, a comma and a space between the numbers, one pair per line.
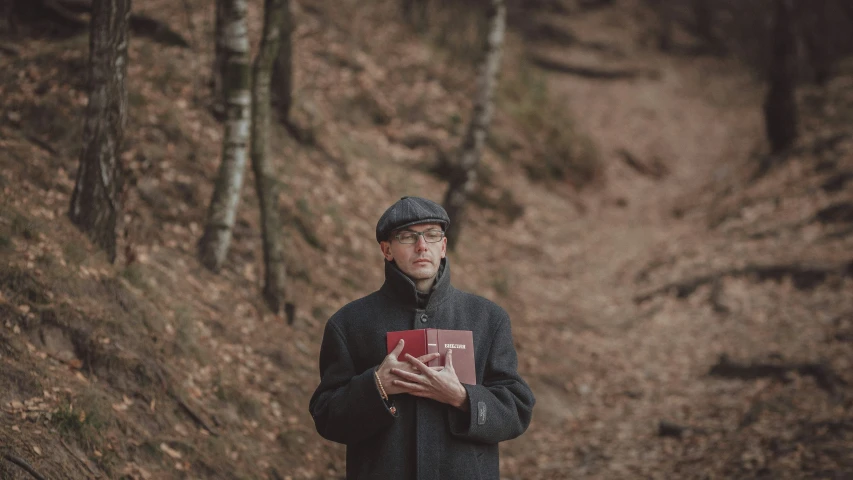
282, 74
462, 180
274, 265
703, 18
415, 12
817, 36
95, 202
664, 32
780, 106
222, 212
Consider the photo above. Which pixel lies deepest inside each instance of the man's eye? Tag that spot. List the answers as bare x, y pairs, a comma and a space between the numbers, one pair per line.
406, 236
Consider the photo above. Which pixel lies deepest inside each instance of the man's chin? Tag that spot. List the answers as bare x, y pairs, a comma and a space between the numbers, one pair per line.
424, 272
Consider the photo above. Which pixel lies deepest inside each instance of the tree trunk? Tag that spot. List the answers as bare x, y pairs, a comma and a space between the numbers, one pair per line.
274, 266
780, 106
282, 74
664, 27
217, 74
817, 33
462, 181
415, 12
222, 212
703, 16
95, 203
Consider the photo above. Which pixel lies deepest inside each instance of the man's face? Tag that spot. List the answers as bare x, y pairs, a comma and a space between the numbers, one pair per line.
419, 260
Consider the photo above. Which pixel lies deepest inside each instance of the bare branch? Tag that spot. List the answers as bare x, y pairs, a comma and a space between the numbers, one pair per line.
23, 464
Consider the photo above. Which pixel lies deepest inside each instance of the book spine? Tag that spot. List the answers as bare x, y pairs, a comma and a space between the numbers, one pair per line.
432, 346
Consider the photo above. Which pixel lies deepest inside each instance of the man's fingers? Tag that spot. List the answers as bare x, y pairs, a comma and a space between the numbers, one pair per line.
417, 363
429, 357
398, 349
405, 375
448, 360
409, 386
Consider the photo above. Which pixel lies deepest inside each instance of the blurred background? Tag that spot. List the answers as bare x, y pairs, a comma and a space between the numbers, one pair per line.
659, 193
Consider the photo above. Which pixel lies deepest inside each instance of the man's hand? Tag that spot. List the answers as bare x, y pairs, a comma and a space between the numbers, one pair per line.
392, 362
440, 384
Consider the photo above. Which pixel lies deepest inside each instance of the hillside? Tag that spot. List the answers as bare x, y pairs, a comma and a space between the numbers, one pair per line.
675, 318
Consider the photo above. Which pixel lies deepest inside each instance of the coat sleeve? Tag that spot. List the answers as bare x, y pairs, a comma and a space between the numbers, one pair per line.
346, 406
502, 406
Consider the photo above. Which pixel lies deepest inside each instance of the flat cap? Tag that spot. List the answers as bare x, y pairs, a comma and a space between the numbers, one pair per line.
409, 211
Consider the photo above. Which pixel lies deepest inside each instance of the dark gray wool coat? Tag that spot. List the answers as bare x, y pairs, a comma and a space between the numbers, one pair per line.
426, 439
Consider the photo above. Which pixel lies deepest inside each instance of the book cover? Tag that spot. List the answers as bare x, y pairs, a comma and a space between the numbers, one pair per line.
428, 340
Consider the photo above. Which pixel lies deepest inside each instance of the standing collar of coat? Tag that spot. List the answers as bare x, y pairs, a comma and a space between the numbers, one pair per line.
401, 288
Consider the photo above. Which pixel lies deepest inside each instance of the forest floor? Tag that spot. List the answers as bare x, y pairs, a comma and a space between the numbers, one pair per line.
675, 318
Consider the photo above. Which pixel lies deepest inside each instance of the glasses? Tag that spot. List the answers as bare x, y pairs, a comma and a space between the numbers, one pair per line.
409, 237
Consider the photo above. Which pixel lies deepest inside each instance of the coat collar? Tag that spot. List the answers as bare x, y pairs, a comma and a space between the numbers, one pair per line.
401, 288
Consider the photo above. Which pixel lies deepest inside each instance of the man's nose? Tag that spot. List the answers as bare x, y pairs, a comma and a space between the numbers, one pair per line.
421, 244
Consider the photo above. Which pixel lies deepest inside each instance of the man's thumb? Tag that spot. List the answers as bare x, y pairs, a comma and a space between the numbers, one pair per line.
398, 349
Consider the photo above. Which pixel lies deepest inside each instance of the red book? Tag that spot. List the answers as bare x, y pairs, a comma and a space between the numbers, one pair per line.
429, 340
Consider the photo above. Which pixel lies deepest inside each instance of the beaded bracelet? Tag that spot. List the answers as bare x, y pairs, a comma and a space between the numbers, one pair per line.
385, 398
379, 383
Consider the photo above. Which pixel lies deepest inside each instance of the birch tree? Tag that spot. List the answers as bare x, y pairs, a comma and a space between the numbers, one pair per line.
274, 266
95, 203
222, 212
463, 178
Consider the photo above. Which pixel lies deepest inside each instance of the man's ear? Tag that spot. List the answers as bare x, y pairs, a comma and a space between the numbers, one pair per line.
443, 247
386, 250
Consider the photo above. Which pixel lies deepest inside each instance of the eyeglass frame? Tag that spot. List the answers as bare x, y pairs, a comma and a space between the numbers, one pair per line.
421, 234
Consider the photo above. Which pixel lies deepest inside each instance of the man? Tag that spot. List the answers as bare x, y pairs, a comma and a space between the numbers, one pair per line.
399, 418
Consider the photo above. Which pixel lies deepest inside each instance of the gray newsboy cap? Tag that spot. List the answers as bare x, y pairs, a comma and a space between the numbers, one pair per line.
409, 211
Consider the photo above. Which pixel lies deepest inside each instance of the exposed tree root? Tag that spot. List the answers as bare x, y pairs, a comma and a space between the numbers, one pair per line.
156, 30
823, 374
836, 182
66, 13
59, 13
594, 73
656, 169
548, 32
191, 413
23, 464
670, 429
804, 277
10, 49
841, 212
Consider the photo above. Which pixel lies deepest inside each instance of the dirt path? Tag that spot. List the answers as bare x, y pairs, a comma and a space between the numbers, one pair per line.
613, 368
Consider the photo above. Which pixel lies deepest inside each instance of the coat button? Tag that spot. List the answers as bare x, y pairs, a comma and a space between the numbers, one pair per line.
424, 318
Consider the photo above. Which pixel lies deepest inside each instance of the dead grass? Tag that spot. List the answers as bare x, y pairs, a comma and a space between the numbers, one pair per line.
561, 151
